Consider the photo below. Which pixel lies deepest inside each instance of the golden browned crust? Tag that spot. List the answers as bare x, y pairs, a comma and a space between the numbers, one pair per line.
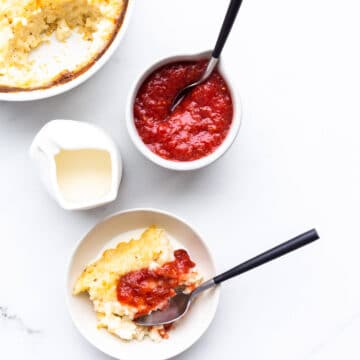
100, 278
66, 76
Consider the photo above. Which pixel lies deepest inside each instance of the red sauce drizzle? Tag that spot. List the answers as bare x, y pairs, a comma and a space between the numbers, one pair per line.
148, 290
198, 125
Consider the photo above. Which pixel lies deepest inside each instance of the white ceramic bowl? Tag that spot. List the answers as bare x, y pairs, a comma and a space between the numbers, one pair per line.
121, 227
79, 79
184, 165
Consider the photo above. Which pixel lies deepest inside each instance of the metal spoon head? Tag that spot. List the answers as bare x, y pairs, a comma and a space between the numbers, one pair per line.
184, 91
181, 94
176, 309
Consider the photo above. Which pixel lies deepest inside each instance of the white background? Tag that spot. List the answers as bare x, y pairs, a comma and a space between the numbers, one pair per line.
295, 165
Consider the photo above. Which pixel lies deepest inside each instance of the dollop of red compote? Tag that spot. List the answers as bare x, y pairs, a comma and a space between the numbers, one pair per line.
197, 126
149, 290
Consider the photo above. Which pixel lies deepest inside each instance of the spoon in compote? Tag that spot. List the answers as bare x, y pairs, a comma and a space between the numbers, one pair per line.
226, 27
180, 303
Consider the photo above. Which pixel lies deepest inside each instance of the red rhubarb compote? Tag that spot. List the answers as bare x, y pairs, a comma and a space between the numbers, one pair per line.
148, 289
197, 126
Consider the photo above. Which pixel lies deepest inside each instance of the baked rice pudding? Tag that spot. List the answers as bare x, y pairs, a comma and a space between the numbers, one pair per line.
135, 278
80, 29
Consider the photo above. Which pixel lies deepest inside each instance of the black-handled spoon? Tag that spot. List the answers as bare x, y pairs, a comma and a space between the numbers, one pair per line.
226, 27
180, 303
269, 255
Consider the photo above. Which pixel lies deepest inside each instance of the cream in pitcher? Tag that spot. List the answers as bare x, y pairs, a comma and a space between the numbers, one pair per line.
78, 163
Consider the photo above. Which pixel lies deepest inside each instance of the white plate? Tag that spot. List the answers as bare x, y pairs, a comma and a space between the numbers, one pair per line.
58, 56
121, 227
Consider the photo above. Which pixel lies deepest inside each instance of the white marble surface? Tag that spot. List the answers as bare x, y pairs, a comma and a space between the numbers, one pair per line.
295, 165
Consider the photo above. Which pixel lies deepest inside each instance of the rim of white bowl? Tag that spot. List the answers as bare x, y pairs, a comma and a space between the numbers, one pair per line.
95, 67
132, 210
183, 165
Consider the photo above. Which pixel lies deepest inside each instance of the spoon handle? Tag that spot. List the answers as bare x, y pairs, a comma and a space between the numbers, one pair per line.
269, 255
226, 27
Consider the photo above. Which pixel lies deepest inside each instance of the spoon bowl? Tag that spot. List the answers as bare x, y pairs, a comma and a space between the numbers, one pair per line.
176, 309
184, 91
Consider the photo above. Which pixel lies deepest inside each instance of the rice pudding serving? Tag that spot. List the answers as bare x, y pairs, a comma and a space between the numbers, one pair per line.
38, 39
134, 279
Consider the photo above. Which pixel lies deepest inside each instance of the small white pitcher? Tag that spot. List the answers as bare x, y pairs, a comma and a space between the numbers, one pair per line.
60, 135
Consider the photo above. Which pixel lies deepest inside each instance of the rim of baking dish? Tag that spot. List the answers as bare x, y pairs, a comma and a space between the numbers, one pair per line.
57, 89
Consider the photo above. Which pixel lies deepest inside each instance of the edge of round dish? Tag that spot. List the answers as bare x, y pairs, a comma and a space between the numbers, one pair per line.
62, 88
183, 165
78, 244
